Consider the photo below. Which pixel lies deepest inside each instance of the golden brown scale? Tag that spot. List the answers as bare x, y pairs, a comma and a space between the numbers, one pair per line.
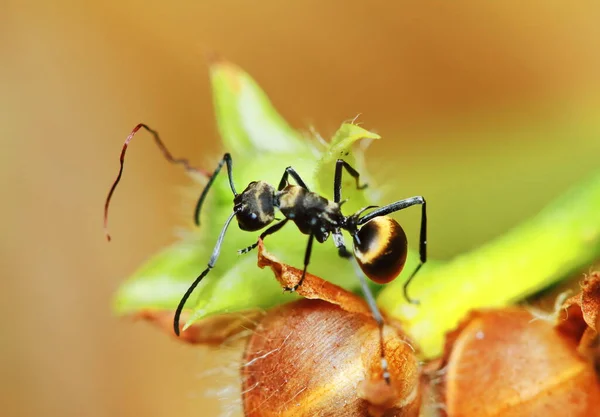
381, 249
289, 196
262, 194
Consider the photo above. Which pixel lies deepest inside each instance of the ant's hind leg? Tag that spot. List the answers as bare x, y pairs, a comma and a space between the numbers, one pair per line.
401, 205
378, 319
264, 234
344, 253
338, 240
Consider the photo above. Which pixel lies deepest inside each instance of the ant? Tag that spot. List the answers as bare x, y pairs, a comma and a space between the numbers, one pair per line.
379, 242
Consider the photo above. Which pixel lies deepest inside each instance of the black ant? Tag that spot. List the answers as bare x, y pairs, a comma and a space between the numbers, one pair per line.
380, 244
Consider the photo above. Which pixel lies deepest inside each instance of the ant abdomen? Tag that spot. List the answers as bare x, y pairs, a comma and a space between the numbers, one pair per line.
380, 248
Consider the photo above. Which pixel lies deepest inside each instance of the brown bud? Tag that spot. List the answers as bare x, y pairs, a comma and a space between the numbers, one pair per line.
505, 363
579, 318
312, 357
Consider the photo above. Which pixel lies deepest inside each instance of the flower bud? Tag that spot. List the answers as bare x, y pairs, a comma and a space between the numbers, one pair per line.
312, 357
506, 363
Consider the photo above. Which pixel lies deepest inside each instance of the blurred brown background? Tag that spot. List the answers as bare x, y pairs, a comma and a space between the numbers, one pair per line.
490, 109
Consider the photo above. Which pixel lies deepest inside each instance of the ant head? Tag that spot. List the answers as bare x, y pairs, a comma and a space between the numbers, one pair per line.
255, 206
380, 248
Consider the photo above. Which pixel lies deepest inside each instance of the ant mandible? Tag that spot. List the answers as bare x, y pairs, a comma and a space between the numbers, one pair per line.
379, 242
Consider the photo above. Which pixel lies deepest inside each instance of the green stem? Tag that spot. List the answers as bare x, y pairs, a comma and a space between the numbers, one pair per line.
561, 239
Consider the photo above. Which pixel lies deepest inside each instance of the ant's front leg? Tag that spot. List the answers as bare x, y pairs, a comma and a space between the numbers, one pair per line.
284, 179
227, 161
264, 234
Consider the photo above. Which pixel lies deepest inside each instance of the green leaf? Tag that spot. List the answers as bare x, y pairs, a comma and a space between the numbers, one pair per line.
344, 138
247, 121
161, 281
239, 288
340, 147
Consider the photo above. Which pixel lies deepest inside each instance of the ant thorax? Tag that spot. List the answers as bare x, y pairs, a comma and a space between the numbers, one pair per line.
310, 212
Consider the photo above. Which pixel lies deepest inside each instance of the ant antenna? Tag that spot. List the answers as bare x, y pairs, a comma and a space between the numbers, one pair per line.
226, 160
165, 152
211, 264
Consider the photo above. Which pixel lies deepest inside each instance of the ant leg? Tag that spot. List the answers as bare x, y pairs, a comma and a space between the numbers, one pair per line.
166, 154
401, 205
344, 253
211, 264
264, 234
306, 261
338, 240
284, 179
378, 319
337, 182
226, 160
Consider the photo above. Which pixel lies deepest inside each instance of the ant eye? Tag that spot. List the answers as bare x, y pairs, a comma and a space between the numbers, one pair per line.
253, 216
380, 249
